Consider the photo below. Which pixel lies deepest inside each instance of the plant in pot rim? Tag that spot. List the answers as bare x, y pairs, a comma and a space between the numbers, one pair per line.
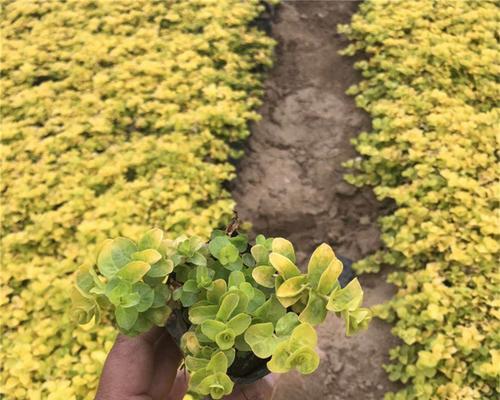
237, 311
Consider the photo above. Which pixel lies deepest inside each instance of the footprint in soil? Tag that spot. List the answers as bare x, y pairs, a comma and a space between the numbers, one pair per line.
290, 184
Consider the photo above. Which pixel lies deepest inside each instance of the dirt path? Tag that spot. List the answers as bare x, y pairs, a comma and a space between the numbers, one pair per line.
290, 184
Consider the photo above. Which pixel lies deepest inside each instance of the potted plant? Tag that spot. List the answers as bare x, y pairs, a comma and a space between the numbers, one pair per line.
237, 310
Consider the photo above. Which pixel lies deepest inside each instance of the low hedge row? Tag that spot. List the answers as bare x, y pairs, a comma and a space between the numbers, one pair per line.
430, 86
116, 116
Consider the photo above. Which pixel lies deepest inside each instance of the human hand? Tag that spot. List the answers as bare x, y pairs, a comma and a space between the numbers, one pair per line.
145, 368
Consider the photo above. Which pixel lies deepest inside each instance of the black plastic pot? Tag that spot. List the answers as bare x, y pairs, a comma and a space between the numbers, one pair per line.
250, 368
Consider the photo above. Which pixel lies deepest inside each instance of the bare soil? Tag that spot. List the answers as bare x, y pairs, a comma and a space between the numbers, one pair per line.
290, 184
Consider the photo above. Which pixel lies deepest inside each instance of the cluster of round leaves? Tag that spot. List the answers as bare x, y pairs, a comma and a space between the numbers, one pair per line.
113, 113
239, 299
131, 281
431, 86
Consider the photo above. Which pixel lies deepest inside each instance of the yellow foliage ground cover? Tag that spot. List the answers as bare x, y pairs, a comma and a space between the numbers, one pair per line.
116, 116
430, 86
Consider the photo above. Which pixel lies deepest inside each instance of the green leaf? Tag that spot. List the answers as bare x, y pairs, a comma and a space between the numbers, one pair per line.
241, 345
184, 248
320, 259
260, 254
264, 275
146, 295
190, 286
329, 277
210, 328
305, 360
292, 287
161, 295
239, 323
240, 242
236, 278
260, 239
84, 280
357, 320
303, 335
227, 306
197, 377
283, 265
188, 298
126, 317
235, 266
149, 256
201, 313
190, 343
279, 360
228, 254
218, 363
179, 259
98, 283
161, 269
216, 385
225, 339
196, 243
117, 288
347, 299
248, 289
286, 324
315, 311
271, 310
167, 248
289, 301
114, 254
134, 271
217, 232
158, 315
217, 291
203, 278
130, 299
195, 363
151, 239
248, 260
83, 308
141, 325
242, 303
177, 294
267, 243
278, 281
260, 338
81, 301
207, 351
256, 301
230, 355
198, 259
284, 247
427, 359
216, 245
97, 290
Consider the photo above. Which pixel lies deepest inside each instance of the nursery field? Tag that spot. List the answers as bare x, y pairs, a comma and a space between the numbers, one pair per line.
116, 116
374, 128
428, 82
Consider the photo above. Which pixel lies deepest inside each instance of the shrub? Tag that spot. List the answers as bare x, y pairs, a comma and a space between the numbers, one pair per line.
114, 114
430, 86
238, 300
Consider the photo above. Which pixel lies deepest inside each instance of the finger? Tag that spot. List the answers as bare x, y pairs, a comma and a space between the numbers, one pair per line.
128, 368
166, 362
180, 386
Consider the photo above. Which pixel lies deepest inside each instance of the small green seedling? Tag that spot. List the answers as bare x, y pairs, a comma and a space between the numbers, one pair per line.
239, 299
